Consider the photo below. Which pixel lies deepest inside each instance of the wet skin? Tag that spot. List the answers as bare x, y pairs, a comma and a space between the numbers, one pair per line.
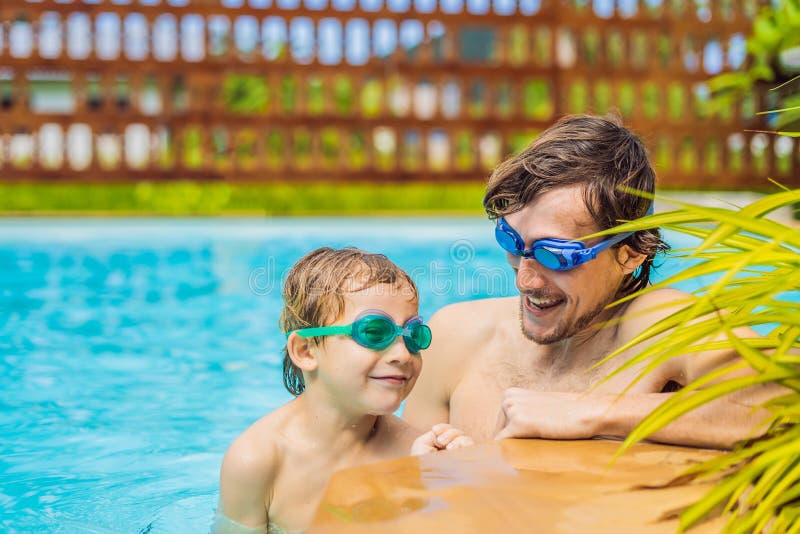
276, 471
527, 366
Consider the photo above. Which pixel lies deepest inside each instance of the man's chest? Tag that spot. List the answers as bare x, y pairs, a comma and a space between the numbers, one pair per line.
476, 400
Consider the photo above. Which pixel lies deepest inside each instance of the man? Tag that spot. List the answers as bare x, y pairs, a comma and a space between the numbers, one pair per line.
526, 366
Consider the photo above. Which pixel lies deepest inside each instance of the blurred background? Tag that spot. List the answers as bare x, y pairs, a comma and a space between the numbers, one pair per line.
311, 106
135, 347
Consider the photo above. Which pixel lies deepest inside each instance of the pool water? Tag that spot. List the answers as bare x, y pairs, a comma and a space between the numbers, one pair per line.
133, 351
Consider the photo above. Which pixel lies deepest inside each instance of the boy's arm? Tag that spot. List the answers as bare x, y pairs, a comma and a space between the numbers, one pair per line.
246, 479
440, 437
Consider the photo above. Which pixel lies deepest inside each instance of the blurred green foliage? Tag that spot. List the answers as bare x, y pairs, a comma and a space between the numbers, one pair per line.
773, 56
221, 198
245, 94
752, 263
538, 99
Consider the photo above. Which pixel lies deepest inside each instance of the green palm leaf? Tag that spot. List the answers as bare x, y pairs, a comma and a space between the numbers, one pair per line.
755, 261
682, 402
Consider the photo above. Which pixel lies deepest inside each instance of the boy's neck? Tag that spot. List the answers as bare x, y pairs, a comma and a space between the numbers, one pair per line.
331, 426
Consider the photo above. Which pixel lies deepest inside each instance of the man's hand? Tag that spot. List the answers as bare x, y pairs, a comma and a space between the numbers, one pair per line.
440, 437
526, 413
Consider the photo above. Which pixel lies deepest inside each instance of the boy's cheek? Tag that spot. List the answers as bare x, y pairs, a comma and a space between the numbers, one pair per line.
413, 381
417, 369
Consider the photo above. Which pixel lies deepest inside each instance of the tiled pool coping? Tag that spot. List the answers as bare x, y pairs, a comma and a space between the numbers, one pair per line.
516, 486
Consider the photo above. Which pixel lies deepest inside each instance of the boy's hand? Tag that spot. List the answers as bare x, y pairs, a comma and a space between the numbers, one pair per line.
440, 437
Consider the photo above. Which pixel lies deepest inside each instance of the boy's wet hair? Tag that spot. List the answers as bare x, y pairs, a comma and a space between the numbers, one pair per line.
315, 289
606, 160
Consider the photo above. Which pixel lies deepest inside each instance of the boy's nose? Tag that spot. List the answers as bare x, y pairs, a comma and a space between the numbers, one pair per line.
398, 352
529, 275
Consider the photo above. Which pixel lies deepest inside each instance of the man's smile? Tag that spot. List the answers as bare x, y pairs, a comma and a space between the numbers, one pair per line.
542, 302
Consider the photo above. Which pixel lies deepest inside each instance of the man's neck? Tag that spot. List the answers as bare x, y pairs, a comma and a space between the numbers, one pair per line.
581, 351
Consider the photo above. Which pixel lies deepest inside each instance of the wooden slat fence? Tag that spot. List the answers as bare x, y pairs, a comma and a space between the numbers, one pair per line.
441, 90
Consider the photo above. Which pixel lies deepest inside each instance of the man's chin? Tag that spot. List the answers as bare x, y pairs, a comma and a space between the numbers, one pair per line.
541, 337
561, 330
537, 334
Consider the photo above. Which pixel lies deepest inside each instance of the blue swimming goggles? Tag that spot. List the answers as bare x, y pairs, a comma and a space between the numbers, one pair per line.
555, 254
376, 330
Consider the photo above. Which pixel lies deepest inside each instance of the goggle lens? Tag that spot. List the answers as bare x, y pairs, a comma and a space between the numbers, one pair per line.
548, 258
418, 338
506, 241
374, 332
377, 333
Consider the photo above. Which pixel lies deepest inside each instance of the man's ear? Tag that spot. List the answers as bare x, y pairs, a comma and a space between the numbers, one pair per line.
629, 259
302, 353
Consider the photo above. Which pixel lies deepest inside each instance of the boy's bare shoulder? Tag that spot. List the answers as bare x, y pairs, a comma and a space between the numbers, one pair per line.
401, 433
250, 453
253, 459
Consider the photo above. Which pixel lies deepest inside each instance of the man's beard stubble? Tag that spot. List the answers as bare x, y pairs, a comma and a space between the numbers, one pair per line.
564, 330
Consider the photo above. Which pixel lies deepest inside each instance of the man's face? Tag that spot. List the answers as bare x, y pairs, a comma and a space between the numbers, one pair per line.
556, 305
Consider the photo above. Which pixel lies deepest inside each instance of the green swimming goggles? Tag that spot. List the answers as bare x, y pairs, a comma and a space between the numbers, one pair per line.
376, 330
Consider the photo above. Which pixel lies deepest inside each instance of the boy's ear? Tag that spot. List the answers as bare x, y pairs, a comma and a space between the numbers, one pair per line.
629, 259
301, 352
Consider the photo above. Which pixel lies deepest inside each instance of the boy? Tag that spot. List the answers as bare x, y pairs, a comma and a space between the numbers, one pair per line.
344, 312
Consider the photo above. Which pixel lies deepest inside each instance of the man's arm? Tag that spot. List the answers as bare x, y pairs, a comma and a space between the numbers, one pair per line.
456, 339
718, 424
429, 401
556, 415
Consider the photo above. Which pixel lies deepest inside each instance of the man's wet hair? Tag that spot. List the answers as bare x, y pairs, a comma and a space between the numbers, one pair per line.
606, 160
315, 290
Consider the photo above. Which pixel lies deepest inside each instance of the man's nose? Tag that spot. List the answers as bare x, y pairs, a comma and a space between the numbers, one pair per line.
530, 275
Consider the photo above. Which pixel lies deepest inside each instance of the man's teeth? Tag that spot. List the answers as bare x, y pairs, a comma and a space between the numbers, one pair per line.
542, 303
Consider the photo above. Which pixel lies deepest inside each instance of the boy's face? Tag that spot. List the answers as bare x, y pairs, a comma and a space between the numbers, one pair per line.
362, 379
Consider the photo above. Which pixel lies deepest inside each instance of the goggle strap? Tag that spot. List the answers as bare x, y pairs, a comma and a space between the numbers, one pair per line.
613, 240
323, 331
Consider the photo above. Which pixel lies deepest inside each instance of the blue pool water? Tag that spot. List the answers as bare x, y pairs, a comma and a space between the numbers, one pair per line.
133, 351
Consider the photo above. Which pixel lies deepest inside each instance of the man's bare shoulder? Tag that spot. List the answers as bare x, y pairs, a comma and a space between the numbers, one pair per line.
664, 295
472, 323
647, 309
639, 315
462, 332
654, 306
